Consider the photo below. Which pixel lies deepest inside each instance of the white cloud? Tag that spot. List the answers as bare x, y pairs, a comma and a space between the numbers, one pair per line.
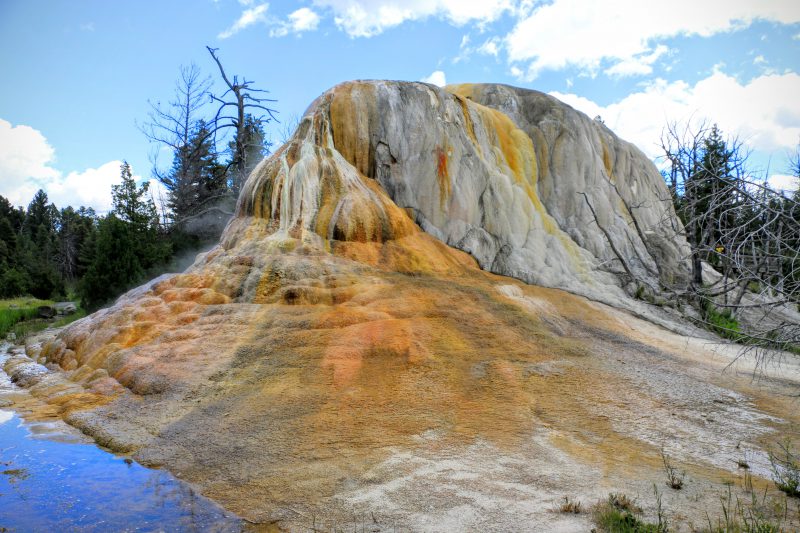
782, 182
639, 65
24, 153
160, 196
491, 47
366, 18
304, 20
248, 18
436, 77
464, 50
588, 34
91, 187
26, 160
764, 113
298, 21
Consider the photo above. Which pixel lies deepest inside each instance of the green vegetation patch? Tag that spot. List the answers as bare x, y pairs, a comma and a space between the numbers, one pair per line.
722, 322
786, 470
23, 303
751, 515
21, 317
620, 514
9, 318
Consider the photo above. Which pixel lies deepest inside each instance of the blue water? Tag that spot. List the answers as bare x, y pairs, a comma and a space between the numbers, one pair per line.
53, 486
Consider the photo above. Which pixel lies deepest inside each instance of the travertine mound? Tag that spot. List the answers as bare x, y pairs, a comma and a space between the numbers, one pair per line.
528, 186
342, 351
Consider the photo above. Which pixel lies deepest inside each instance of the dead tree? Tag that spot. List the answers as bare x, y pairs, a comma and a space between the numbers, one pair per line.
234, 106
193, 177
748, 232
172, 125
794, 165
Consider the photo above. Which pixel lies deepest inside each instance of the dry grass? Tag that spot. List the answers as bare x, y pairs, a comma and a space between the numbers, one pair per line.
622, 502
570, 506
674, 478
786, 469
754, 514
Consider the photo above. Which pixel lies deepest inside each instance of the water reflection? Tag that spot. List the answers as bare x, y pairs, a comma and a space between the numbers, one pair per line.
62, 486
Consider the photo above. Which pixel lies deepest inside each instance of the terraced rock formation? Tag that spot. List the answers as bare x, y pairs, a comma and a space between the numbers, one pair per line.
366, 337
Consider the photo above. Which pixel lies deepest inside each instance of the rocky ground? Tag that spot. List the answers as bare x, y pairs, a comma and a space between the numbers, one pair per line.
521, 430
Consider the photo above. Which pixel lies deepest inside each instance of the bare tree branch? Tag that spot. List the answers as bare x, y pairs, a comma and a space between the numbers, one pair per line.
736, 223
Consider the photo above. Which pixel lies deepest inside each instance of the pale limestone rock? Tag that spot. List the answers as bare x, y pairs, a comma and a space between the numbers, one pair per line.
528, 186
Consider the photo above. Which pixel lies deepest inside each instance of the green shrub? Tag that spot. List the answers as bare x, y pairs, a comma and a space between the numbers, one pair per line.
722, 322
14, 282
620, 514
639, 292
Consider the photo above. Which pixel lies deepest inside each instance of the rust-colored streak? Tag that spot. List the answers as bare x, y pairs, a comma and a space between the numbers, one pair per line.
353, 115
470, 126
442, 174
607, 163
441, 163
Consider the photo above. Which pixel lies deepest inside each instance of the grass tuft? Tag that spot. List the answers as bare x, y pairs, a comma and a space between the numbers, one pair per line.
753, 515
722, 322
786, 470
569, 506
674, 478
620, 514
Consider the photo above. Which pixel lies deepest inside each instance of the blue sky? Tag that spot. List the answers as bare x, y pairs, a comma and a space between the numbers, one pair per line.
77, 75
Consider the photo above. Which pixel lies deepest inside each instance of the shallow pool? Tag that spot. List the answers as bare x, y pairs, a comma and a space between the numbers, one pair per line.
52, 479
60, 486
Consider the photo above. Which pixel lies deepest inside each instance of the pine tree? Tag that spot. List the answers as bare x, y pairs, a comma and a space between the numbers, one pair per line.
14, 279
714, 192
115, 265
8, 237
130, 202
195, 179
39, 213
133, 207
254, 148
74, 228
14, 215
36, 248
125, 245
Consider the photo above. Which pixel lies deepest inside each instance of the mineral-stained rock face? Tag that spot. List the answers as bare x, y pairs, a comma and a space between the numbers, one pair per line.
525, 184
333, 354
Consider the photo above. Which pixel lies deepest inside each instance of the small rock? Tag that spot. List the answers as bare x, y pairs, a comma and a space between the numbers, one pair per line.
65, 308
